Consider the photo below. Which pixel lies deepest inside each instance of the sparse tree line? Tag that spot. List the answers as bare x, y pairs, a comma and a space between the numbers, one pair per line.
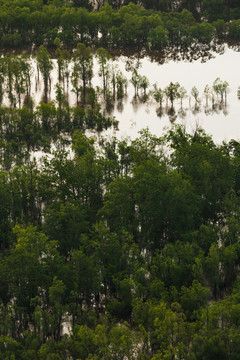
134, 249
26, 127
174, 91
76, 71
32, 22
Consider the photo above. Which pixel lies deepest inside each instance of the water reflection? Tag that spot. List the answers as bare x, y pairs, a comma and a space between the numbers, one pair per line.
135, 103
160, 111
198, 66
173, 112
194, 52
195, 109
182, 113
120, 106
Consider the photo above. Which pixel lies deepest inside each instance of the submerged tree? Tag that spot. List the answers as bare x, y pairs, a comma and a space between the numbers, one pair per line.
82, 70
22, 76
114, 70
9, 71
195, 94
2, 77
172, 92
63, 59
207, 93
221, 87
45, 65
182, 94
121, 82
135, 80
18, 71
144, 84
238, 92
103, 58
158, 94
27, 72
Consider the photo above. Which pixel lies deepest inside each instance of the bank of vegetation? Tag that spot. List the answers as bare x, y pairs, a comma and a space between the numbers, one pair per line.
118, 25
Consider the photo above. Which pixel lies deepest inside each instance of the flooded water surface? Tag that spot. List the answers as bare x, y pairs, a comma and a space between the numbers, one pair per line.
222, 121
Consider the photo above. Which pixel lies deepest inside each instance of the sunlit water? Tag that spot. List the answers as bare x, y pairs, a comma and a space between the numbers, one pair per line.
223, 124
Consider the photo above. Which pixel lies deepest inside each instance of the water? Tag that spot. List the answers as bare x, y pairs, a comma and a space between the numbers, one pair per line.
133, 115
223, 124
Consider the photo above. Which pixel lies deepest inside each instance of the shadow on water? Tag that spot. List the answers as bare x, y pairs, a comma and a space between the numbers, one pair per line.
197, 51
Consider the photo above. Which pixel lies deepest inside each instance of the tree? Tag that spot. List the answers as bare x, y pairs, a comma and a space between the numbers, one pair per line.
66, 222
158, 94
207, 92
157, 37
85, 276
206, 165
5, 211
83, 66
221, 87
121, 342
9, 65
45, 65
195, 94
121, 82
103, 57
56, 296
83, 344
119, 212
2, 77
182, 94
172, 91
135, 80
144, 83
193, 298
63, 58
174, 266
18, 84
32, 262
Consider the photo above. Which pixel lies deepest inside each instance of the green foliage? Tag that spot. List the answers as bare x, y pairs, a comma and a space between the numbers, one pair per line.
193, 298
133, 249
172, 92
221, 87
83, 66
203, 33
45, 65
155, 23
158, 94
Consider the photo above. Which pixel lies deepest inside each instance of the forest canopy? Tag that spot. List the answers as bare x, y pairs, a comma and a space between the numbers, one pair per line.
134, 248
113, 249
157, 25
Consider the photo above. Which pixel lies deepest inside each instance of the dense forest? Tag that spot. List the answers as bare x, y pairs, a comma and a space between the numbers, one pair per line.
132, 245
113, 249
161, 24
